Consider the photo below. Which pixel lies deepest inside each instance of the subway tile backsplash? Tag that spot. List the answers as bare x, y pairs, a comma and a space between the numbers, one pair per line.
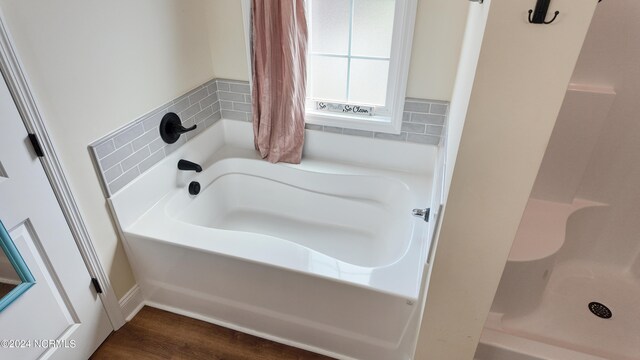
124, 154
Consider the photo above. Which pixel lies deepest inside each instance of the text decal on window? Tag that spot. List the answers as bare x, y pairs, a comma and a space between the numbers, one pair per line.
345, 108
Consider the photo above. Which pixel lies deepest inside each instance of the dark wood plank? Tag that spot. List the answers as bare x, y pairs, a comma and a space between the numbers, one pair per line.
155, 334
5, 289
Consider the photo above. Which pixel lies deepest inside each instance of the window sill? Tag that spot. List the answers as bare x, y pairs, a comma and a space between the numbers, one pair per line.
382, 124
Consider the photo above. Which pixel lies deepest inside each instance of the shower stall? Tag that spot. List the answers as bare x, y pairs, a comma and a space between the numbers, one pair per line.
571, 286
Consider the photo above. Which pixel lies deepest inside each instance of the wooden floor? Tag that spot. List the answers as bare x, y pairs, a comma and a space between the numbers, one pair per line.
157, 334
5, 289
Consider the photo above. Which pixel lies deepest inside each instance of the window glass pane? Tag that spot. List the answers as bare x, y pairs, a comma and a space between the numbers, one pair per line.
372, 27
330, 26
368, 83
328, 78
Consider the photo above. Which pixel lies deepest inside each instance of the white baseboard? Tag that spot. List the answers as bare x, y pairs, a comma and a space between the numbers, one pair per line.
131, 302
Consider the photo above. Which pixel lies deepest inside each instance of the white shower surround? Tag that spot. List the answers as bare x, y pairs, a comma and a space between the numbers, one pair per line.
324, 255
540, 310
570, 250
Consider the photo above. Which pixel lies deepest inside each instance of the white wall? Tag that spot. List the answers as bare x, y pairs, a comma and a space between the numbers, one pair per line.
610, 57
227, 39
434, 60
609, 170
95, 66
522, 75
465, 78
437, 42
579, 125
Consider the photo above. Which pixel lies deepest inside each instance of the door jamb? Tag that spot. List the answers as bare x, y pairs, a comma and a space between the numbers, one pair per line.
19, 87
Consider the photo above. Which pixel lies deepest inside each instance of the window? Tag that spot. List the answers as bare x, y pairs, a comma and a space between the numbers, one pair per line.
358, 62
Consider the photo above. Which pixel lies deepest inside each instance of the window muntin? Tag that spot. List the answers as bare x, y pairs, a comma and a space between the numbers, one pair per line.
366, 65
350, 51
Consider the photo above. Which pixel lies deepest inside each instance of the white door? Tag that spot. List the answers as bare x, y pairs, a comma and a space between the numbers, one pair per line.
60, 316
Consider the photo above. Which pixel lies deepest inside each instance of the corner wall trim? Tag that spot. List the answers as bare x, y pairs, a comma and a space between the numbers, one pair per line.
132, 302
18, 84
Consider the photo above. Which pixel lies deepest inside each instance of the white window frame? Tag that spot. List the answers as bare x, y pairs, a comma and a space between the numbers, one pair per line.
400, 55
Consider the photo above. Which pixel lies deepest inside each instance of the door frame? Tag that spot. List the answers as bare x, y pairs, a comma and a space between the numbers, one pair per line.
20, 89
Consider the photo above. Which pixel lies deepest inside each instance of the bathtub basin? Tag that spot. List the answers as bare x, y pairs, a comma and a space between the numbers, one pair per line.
355, 219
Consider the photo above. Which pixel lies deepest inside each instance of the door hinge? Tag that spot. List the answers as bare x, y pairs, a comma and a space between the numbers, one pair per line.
96, 285
36, 145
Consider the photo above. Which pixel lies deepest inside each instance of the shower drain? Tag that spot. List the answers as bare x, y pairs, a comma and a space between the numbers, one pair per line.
600, 310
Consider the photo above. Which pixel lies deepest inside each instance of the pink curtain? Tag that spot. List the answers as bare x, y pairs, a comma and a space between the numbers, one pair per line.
279, 49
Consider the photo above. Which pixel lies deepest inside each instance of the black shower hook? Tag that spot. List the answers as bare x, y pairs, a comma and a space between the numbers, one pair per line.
539, 15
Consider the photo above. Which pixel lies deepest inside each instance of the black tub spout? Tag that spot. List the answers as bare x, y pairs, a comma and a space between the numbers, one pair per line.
188, 166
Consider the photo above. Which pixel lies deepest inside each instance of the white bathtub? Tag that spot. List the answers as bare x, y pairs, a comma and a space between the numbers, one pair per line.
322, 255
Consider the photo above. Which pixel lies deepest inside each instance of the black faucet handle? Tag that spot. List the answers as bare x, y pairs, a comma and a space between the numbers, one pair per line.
181, 129
171, 128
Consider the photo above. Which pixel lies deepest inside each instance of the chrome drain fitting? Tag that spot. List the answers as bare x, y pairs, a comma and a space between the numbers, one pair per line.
600, 310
